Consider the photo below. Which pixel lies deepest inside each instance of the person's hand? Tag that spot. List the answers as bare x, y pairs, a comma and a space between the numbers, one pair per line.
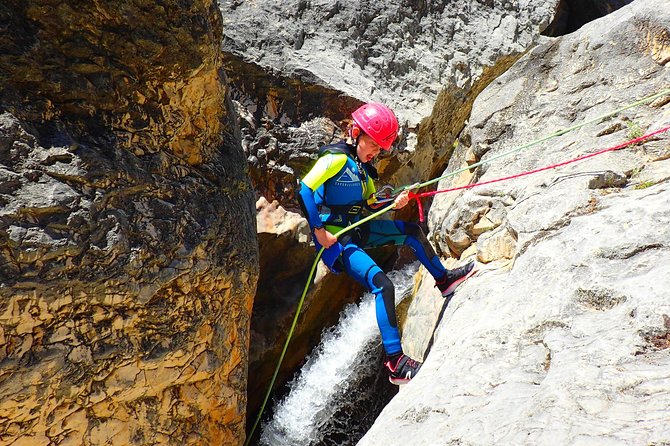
401, 200
325, 238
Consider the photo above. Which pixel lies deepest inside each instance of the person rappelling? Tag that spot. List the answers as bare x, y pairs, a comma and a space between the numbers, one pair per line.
336, 192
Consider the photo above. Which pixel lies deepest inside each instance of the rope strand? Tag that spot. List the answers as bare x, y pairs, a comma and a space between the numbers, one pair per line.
540, 140
530, 172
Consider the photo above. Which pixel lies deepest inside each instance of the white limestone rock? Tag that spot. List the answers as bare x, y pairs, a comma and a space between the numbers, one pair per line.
572, 344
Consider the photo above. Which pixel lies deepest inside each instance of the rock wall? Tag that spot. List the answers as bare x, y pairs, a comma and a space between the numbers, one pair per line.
128, 254
562, 336
409, 55
400, 52
151, 67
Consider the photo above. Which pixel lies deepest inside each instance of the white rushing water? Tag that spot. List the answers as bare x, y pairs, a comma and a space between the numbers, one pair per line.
341, 369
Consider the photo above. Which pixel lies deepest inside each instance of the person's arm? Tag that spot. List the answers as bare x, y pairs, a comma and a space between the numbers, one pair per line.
401, 200
326, 167
309, 207
385, 197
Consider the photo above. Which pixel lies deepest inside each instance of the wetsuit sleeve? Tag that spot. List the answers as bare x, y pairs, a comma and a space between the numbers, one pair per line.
309, 206
326, 167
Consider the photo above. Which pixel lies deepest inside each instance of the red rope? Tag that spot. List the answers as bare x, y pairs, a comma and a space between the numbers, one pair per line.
523, 174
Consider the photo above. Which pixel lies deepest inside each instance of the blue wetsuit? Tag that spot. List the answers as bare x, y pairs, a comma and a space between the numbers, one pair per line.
333, 194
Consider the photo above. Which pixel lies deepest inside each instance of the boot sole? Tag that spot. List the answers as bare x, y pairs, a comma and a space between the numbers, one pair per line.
399, 381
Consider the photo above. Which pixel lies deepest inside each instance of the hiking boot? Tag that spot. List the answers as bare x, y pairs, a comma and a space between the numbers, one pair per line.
453, 278
402, 369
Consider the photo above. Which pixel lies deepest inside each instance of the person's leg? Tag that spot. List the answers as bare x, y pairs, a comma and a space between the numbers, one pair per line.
383, 232
397, 232
358, 264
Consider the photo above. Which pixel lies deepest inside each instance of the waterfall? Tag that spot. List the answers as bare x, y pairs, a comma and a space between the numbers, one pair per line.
341, 388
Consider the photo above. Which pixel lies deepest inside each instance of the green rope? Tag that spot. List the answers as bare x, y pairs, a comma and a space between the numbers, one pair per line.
383, 211
283, 353
297, 313
537, 141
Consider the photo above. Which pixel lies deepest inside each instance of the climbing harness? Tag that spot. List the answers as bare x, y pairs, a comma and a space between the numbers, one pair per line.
435, 180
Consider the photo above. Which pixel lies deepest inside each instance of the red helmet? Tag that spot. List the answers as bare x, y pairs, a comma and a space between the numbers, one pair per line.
378, 122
